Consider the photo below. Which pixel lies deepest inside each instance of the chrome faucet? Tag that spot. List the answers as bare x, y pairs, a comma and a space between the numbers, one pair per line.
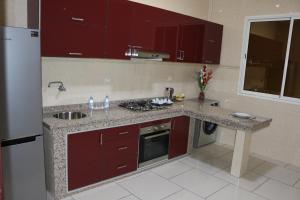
61, 86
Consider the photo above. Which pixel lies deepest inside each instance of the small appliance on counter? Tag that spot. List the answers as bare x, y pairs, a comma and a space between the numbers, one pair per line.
205, 132
169, 92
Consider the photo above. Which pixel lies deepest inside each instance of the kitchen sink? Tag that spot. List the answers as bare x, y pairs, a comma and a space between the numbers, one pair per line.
69, 115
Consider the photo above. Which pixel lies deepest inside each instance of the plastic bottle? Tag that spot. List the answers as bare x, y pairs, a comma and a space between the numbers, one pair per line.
91, 103
106, 103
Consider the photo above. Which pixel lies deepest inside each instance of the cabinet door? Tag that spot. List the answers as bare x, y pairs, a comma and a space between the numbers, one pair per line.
144, 22
73, 29
118, 29
179, 136
212, 43
191, 40
85, 162
120, 146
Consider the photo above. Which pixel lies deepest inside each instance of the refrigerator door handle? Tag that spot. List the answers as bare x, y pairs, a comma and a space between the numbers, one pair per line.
18, 141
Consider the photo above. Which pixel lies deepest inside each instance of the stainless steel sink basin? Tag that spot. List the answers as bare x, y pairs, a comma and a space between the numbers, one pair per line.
70, 115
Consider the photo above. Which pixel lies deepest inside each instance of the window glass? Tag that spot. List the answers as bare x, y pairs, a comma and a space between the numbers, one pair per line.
266, 56
292, 84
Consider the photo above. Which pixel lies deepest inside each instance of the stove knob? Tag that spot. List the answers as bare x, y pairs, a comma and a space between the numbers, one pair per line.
155, 128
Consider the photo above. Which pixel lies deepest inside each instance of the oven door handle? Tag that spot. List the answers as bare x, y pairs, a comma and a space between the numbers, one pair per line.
158, 135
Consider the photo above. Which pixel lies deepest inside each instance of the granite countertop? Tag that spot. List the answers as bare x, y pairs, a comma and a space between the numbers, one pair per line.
117, 116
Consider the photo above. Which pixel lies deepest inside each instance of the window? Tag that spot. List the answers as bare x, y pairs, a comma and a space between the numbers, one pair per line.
271, 65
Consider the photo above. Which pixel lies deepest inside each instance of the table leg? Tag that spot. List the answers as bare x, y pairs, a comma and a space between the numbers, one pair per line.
240, 153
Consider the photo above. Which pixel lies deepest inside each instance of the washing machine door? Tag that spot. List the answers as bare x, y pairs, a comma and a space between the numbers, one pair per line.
209, 128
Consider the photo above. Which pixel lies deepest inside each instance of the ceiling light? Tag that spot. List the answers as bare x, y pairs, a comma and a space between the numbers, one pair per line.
277, 5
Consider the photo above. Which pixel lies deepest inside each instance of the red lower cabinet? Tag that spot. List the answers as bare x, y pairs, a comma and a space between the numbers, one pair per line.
179, 136
120, 146
103, 154
85, 165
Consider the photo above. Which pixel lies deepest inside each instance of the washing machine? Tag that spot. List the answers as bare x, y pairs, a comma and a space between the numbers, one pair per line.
205, 132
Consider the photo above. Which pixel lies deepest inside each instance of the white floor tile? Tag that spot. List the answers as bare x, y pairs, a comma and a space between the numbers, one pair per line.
249, 181
68, 198
212, 151
172, 169
199, 182
183, 195
254, 162
108, 192
293, 168
278, 173
278, 191
130, 198
150, 186
234, 193
209, 166
297, 185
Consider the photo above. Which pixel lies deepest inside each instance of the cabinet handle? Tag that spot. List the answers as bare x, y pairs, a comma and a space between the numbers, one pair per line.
121, 167
180, 55
75, 54
77, 19
212, 41
101, 139
173, 124
208, 61
123, 133
122, 148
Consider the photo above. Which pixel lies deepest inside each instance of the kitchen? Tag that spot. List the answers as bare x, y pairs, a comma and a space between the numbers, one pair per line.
100, 77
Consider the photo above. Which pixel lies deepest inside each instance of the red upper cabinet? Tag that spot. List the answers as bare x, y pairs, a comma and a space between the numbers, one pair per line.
190, 47
117, 29
85, 165
73, 28
107, 28
179, 136
143, 25
212, 43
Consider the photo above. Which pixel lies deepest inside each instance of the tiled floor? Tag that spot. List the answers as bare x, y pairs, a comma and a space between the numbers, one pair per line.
204, 175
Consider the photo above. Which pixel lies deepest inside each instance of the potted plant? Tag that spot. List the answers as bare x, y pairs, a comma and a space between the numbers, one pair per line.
203, 78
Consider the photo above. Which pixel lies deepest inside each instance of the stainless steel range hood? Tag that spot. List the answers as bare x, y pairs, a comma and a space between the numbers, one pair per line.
138, 53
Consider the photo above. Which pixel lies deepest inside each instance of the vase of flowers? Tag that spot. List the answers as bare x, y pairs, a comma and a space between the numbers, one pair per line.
203, 78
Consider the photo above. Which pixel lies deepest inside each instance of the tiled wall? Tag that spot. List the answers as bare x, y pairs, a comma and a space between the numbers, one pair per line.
118, 79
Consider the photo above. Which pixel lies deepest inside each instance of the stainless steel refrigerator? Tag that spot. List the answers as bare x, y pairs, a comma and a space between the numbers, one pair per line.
21, 129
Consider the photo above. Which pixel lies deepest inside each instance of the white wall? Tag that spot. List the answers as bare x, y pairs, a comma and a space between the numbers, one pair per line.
281, 140
13, 13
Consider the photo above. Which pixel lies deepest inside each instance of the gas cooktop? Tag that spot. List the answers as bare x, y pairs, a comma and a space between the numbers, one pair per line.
142, 105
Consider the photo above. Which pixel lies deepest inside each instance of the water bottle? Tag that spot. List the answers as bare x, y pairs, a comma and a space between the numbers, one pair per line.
106, 103
91, 103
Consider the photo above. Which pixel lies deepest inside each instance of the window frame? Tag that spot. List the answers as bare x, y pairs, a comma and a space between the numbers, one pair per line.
247, 23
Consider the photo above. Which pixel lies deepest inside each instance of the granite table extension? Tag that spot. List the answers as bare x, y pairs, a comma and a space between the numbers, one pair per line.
56, 131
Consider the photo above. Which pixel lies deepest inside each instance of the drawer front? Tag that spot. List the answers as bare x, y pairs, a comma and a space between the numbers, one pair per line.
119, 166
124, 147
119, 133
157, 122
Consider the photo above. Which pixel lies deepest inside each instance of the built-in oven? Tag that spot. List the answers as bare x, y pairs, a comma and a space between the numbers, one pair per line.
154, 143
